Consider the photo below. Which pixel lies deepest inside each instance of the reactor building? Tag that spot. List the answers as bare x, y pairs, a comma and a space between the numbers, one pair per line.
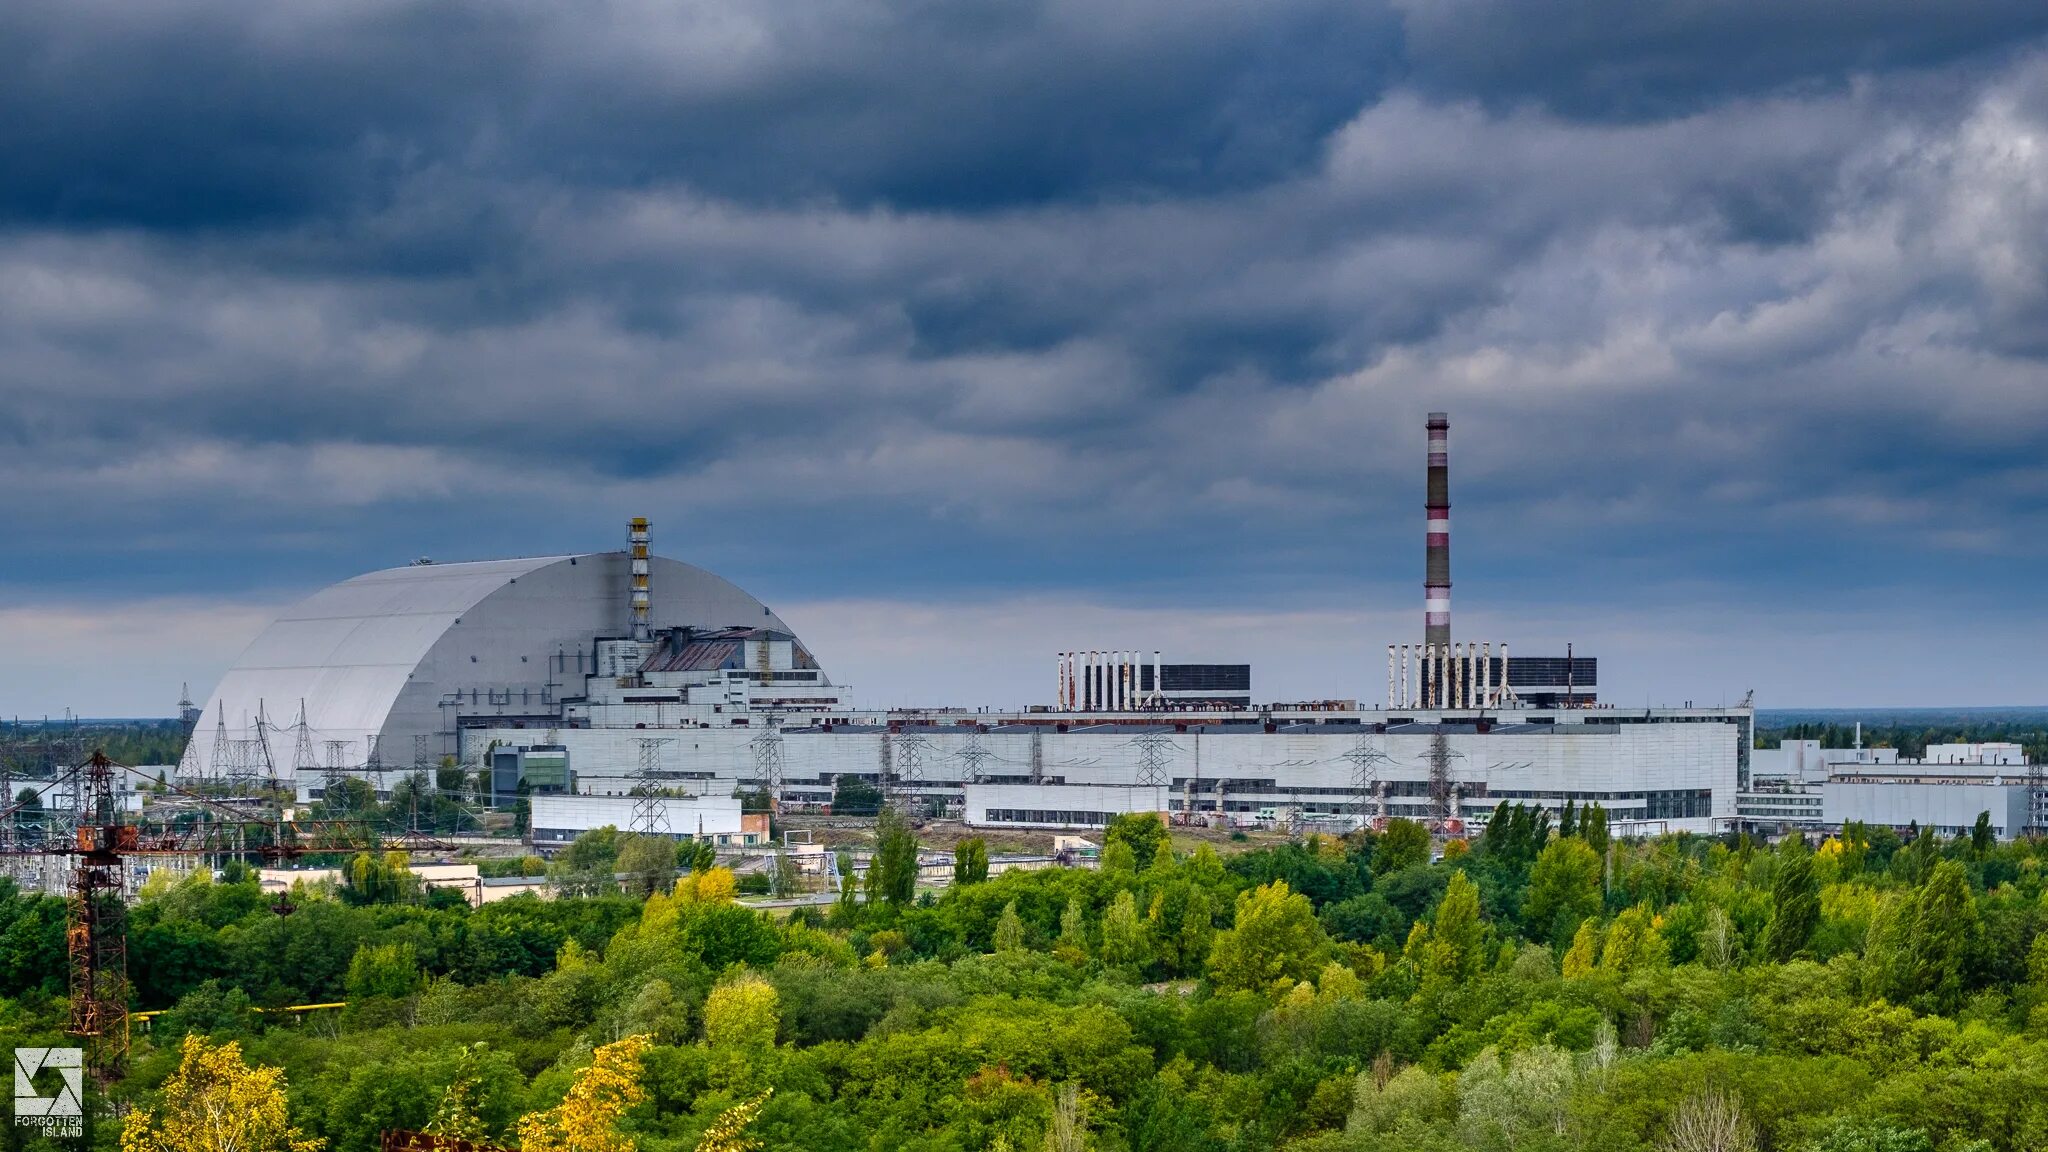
598, 684
383, 672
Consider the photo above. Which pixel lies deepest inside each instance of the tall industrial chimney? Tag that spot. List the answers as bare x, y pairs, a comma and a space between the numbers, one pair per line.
643, 607
1436, 582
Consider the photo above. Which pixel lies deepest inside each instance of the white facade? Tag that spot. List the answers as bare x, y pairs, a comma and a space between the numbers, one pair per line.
555, 821
1948, 808
1675, 771
1805, 786
1806, 762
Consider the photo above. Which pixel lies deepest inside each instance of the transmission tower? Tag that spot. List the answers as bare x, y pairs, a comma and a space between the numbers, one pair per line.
264, 759
373, 764
1442, 787
909, 752
1366, 756
976, 754
242, 760
1153, 749
303, 760
189, 769
650, 815
768, 763
98, 948
336, 770
222, 761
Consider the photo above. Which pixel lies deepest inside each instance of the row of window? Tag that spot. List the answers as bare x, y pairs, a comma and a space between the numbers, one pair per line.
1040, 816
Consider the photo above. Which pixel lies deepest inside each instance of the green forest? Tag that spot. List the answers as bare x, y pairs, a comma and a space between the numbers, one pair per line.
1542, 987
1910, 730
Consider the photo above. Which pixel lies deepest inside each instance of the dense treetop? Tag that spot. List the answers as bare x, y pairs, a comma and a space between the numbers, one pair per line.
1537, 988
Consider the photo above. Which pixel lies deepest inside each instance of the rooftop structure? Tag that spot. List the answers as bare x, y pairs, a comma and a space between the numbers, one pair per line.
1124, 681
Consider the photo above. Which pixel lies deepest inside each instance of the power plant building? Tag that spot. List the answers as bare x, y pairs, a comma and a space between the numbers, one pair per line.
1801, 785
628, 689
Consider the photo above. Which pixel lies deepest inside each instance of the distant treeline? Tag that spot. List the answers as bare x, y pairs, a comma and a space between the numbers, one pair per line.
1912, 738
34, 749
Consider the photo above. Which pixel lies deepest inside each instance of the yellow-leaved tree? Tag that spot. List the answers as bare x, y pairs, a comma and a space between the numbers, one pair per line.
587, 1120
216, 1103
711, 886
743, 1014
728, 1133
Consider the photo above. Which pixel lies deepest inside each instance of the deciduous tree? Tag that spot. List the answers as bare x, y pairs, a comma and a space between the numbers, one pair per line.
1123, 933
1142, 831
1276, 936
970, 861
216, 1103
1009, 934
1458, 928
728, 1133
1402, 844
742, 1013
587, 1120
892, 872
1564, 889
1795, 902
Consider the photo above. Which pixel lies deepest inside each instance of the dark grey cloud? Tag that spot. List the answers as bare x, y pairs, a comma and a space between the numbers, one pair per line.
207, 113
1634, 61
1142, 300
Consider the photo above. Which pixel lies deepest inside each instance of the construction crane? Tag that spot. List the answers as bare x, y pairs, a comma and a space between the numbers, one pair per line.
101, 851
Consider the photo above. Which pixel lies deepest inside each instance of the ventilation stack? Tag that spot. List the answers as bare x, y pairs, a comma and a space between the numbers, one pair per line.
643, 605
1436, 583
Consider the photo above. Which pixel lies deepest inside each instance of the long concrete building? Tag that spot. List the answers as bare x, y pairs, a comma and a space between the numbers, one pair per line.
1653, 770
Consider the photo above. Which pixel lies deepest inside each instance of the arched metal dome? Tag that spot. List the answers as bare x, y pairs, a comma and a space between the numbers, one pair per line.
382, 660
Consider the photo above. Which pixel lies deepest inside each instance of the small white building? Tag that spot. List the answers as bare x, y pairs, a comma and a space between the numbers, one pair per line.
556, 821
463, 878
1949, 808
1806, 762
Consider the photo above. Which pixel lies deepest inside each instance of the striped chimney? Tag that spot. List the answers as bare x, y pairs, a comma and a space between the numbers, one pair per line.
1436, 582
643, 607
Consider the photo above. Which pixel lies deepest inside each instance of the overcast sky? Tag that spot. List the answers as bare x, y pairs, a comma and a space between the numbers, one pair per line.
965, 332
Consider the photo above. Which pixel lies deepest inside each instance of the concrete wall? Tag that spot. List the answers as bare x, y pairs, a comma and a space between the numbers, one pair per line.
1615, 765
1947, 808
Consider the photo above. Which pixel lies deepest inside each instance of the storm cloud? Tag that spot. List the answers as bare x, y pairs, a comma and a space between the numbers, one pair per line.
1738, 308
